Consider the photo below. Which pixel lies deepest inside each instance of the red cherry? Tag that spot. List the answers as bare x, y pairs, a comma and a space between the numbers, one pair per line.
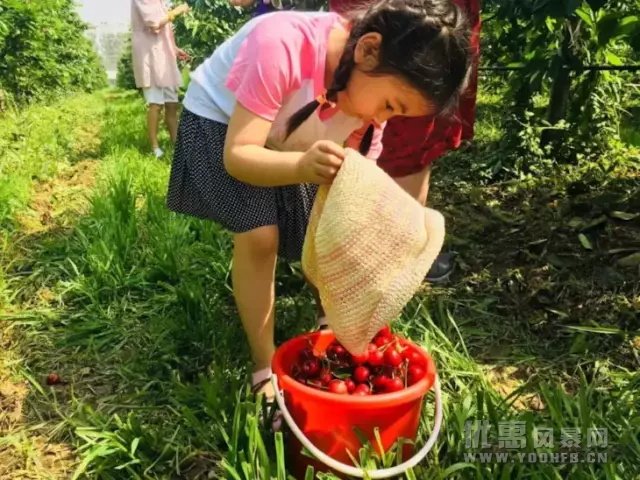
385, 332
351, 385
394, 384
392, 357
413, 357
361, 358
325, 377
361, 374
336, 352
380, 382
381, 341
362, 389
306, 354
338, 386
310, 368
415, 373
376, 358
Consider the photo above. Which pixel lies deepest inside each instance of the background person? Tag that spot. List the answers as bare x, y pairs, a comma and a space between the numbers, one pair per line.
155, 66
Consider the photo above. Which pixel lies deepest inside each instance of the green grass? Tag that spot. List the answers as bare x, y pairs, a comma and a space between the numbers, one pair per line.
132, 306
35, 144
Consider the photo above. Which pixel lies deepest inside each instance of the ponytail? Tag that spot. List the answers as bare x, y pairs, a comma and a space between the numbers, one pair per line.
365, 143
339, 83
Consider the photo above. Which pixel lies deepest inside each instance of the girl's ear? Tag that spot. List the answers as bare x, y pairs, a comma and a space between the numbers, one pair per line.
366, 55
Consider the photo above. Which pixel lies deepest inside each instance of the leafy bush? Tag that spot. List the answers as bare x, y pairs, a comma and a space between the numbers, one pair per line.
124, 76
552, 43
209, 24
44, 51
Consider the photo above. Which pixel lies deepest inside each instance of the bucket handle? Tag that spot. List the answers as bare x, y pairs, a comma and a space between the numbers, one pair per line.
355, 471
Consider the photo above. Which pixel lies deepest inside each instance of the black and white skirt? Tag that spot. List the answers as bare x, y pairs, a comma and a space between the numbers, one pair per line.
200, 186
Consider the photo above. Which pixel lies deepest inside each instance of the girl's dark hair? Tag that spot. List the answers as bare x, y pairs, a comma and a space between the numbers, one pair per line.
426, 42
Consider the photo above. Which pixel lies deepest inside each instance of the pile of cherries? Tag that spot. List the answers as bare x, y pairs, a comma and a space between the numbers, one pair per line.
387, 366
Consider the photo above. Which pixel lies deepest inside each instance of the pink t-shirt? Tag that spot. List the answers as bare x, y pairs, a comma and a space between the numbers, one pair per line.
273, 66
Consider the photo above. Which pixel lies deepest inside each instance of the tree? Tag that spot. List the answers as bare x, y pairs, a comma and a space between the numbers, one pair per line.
554, 43
209, 24
44, 51
124, 76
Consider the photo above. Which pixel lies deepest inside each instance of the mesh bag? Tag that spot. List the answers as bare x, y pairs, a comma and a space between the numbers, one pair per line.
367, 249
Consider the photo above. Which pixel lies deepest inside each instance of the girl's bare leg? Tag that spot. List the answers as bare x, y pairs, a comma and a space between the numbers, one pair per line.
253, 274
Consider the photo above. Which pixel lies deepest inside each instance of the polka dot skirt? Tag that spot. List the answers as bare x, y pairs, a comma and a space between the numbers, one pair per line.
200, 186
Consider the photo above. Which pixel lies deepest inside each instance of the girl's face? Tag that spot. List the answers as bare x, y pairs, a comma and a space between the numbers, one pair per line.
376, 98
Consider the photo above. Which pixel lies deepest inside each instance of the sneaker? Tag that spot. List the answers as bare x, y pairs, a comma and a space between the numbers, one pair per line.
158, 152
442, 268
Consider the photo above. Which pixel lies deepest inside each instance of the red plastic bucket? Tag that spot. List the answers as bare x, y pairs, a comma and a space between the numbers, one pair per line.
326, 423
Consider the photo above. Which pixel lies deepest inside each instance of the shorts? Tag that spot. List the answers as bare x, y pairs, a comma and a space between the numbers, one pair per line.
160, 95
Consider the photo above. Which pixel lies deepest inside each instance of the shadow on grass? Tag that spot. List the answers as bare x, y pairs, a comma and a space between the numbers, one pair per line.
541, 279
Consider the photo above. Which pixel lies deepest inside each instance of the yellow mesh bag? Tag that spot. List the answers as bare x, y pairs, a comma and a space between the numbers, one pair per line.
367, 249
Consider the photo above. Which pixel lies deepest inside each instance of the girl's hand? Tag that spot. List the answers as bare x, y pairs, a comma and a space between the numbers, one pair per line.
321, 162
182, 55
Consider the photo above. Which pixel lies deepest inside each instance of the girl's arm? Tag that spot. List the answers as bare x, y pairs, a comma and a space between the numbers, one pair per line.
173, 42
157, 25
246, 158
417, 184
267, 68
241, 3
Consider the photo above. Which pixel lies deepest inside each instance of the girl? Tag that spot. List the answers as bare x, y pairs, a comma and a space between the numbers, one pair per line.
411, 145
155, 68
267, 115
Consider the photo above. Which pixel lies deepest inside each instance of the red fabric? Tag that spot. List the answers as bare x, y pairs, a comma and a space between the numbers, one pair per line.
411, 144
467, 107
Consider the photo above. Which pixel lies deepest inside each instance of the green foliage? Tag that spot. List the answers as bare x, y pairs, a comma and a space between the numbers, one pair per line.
38, 142
551, 42
44, 51
124, 76
132, 305
530, 34
209, 24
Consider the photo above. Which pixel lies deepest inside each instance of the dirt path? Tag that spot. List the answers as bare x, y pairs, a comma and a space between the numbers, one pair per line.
28, 452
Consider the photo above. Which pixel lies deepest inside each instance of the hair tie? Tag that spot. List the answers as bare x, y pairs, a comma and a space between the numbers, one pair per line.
323, 100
